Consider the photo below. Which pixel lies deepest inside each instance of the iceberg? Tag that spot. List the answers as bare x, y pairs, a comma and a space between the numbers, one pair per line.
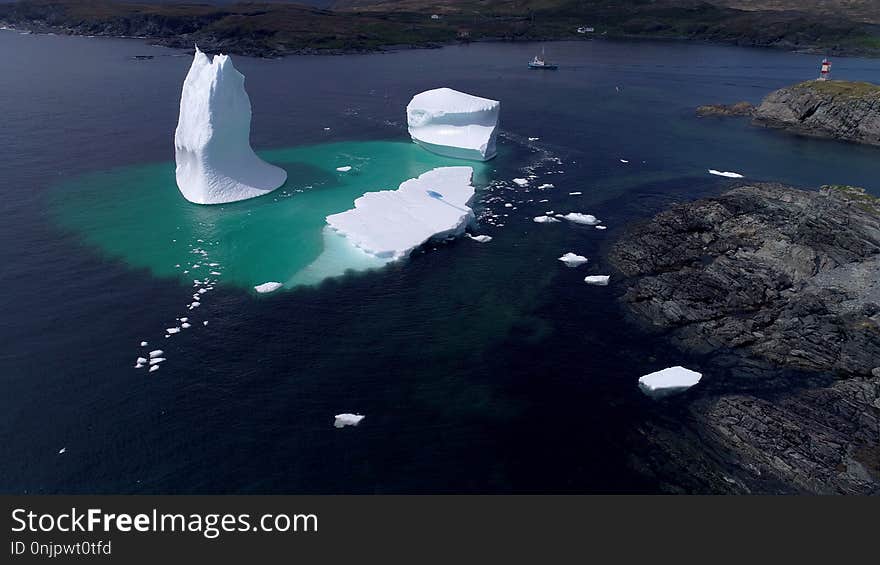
573, 260
672, 379
342, 420
597, 280
480, 238
390, 224
454, 124
545, 220
215, 161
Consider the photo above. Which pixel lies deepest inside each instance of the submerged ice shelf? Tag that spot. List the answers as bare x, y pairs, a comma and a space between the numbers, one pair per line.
453, 123
215, 161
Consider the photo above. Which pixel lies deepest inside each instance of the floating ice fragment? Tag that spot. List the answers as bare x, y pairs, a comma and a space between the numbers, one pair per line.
268, 287
172, 330
545, 219
481, 238
573, 260
672, 379
624, 161
342, 420
62, 450
156, 353
144, 344
344, 169
727, 174
184, 325
521, 182
154, 368
578, 218
547, 185
575, 193
601, 227
597, 280
156, 361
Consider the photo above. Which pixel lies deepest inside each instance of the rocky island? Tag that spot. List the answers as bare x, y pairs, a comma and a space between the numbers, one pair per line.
784, 277
835, 109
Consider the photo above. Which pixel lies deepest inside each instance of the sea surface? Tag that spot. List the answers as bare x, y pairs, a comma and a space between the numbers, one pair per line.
480, 367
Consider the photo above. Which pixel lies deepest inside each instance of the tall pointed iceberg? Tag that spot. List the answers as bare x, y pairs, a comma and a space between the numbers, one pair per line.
453, 123
215, 161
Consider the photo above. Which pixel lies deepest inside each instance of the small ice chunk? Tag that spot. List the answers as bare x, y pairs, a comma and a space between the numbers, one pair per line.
544, 219
578, 218
597, 280
172, 330
727, 174
668, 380
534, 138
62, 450
342, 420
184, 325
156, 353
481, 238
344, 169
508, 205
573, 260
205, 323
156, 361
141, 360
184, 319
154, 368
601, 227
575, 193
521, 182
546, 185
268, 287
144, 344
624, 161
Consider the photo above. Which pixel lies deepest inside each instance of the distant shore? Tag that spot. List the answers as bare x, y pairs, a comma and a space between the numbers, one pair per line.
276, 30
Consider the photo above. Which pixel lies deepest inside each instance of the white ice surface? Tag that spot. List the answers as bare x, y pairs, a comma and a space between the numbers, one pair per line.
670, 378
342, 420
344, 169
597, 280
727, 174
267, 287
390, 224
578, 218
573, 260
544, 219
453, 123
215, 161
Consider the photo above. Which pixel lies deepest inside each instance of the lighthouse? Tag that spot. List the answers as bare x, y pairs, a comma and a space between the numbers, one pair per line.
825, 71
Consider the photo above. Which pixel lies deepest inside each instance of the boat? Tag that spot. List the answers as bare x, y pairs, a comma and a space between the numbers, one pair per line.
539, 62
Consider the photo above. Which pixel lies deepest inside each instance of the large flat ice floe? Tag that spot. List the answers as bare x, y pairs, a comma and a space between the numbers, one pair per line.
390, 224
454, 124
672, 379
215, 161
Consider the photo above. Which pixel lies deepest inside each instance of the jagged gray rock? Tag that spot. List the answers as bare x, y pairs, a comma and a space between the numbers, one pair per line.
842, 110
788, 275
780, 274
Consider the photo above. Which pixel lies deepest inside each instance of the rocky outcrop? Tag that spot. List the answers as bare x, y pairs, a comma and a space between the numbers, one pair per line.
788, 275
848, 111
776, 281
738, 109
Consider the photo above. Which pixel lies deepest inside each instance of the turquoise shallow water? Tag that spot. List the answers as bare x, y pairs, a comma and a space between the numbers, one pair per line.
137, 214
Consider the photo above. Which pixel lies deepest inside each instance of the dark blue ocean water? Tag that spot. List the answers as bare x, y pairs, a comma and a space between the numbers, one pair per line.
480, 368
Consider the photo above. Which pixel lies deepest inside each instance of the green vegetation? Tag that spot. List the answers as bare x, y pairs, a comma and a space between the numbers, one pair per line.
857, 195
842, 88
269, 29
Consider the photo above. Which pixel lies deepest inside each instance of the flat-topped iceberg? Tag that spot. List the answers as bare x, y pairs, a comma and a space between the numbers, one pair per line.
573, 259
454, 124
670, 380
342, 420
215, 161
390, 224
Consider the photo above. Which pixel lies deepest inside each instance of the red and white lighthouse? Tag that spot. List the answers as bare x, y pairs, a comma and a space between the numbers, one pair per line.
825, 72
